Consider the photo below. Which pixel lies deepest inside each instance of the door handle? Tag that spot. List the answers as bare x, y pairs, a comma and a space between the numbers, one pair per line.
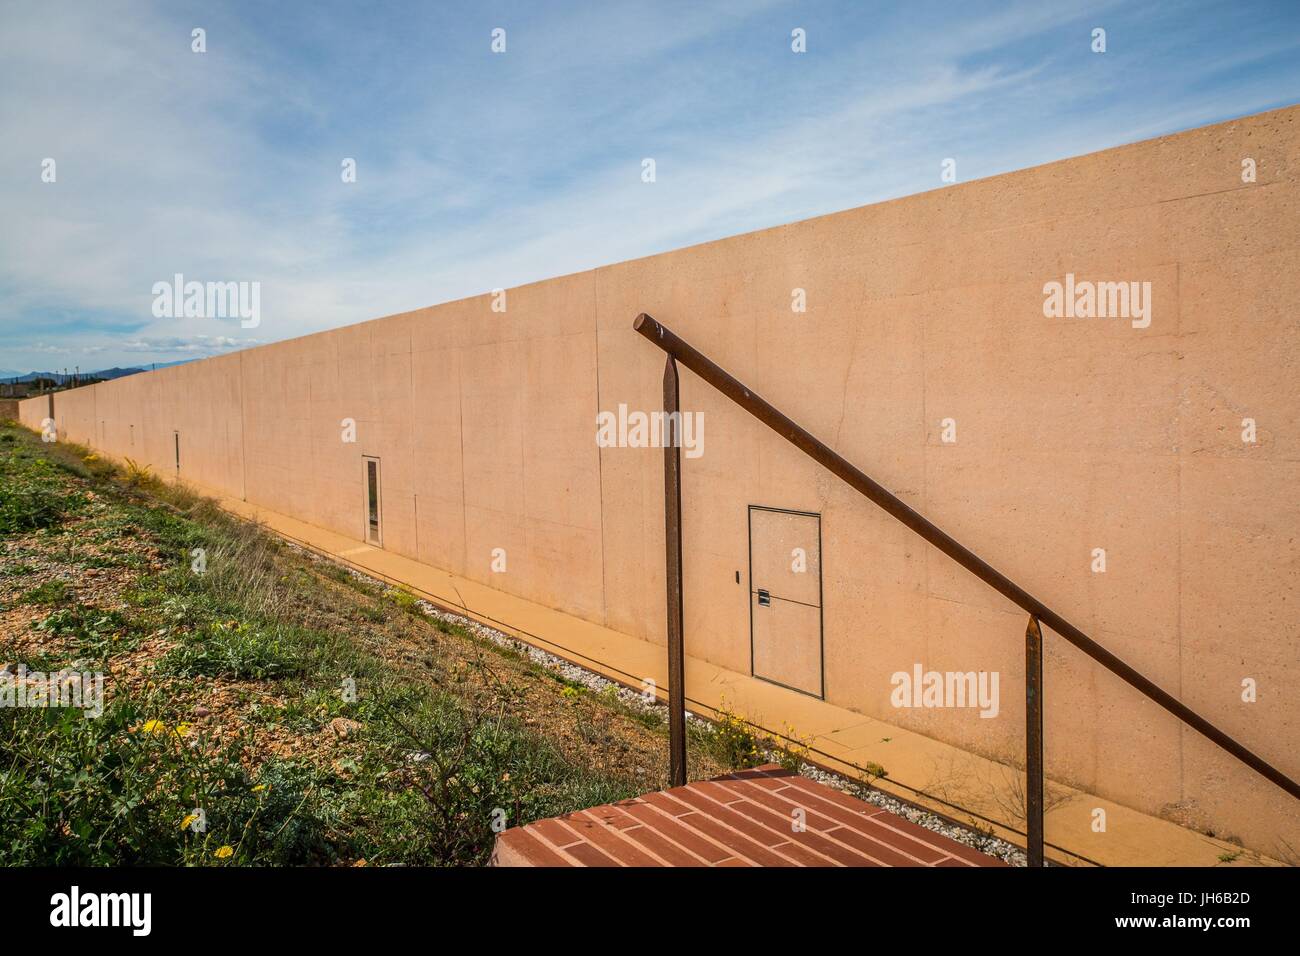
764, 599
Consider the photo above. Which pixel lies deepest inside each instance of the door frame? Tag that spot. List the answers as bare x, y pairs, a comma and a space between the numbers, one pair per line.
378, 542
821, 598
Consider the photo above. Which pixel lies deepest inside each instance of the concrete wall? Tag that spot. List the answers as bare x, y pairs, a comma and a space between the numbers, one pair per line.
1071, 435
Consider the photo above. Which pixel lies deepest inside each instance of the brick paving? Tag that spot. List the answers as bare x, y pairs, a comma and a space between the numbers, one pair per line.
746, 818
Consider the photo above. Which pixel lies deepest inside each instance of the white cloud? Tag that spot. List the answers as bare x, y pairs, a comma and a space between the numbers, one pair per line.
177, 345
477, 172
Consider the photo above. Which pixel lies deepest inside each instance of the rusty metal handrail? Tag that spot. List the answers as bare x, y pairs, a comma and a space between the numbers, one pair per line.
678, 350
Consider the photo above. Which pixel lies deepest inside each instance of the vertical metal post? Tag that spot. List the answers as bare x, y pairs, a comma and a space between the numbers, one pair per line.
1034, 742
673, 545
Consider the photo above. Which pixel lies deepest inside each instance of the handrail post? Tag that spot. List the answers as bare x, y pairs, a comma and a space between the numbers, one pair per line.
1034, 743
673, 548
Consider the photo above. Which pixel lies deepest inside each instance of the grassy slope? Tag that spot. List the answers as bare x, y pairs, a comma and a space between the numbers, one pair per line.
225, 693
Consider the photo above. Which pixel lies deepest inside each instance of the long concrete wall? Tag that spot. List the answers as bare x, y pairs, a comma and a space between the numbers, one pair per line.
924, 315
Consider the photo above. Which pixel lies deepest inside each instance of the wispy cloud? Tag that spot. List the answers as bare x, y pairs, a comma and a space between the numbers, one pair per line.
478, 170
193, 345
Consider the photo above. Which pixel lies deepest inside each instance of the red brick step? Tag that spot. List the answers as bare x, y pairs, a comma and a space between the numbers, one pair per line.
742, 819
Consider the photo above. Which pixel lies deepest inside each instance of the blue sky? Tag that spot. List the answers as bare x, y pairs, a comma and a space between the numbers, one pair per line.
477, 170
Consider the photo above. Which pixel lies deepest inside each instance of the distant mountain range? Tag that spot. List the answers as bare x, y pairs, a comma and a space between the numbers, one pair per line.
13, 375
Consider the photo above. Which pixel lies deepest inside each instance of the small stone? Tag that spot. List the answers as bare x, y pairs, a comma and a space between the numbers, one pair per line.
344, 728
201, 711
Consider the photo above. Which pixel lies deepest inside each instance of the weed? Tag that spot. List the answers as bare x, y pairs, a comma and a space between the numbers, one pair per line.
374, 615
478, 770
47, 592
118, 789
405, 601
31, 500
793, 754
233, 649
732, 740
45, 660
137, 475
94, 632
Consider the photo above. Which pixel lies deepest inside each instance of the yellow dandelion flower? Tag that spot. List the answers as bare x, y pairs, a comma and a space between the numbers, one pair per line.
259, 788
154, 727
224, 852
188, 820
181, 730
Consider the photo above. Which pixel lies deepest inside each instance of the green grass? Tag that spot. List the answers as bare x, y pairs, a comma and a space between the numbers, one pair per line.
117, 790
236, 650
422, 779
42, 660
30, 498
405, 601
95, 633
48, 592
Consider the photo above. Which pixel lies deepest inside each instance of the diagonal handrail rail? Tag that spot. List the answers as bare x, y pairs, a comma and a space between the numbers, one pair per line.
679, 350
